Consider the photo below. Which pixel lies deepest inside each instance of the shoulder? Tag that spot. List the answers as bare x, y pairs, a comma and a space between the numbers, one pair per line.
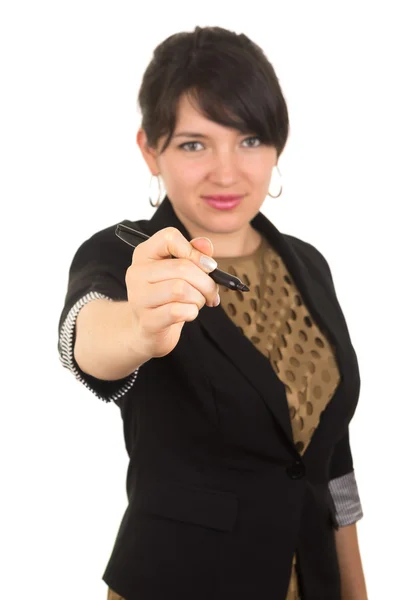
105, 247
309, 254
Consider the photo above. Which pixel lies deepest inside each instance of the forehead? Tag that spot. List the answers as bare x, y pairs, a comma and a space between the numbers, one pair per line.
190, 118
187, 110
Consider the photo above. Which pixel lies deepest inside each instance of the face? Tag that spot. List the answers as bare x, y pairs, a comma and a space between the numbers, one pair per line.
207, 159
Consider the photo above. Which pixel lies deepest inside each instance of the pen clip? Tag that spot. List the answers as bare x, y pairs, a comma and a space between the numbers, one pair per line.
129, 235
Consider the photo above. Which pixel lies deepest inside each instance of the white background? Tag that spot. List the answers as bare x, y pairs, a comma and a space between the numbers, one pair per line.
70, 73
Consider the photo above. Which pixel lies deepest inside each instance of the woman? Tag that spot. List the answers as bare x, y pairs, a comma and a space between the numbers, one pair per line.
236, 406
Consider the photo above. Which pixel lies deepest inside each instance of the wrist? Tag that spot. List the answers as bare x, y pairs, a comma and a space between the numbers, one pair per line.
133, 342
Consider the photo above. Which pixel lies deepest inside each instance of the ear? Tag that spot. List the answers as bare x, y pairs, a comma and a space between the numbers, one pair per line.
148, 153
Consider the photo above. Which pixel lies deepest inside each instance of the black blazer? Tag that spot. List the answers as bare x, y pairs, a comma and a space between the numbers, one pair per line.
219, 497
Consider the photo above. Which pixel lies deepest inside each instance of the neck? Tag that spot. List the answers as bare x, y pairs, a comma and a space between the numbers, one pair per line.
227, 244
235, 243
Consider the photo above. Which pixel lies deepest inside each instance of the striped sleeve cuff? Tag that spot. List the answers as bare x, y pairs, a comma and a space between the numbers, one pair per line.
66, 355
346, 499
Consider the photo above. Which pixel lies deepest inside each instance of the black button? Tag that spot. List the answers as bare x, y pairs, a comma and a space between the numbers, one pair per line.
296, 470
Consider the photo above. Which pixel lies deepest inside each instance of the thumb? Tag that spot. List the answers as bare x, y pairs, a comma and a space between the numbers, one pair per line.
204, 245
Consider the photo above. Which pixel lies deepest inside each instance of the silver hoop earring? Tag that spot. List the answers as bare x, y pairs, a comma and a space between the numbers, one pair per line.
281, 186
159, 194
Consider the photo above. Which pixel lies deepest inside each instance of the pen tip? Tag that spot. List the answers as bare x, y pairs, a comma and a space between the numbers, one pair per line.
244, 288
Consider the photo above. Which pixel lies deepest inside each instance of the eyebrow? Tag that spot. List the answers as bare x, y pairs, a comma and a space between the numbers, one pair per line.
194, 134
190, 134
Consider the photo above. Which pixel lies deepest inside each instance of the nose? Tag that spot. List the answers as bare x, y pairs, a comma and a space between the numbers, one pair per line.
224, 169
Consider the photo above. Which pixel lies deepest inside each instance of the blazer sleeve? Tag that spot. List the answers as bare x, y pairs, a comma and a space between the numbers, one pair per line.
97, 271
343, 485
342, 481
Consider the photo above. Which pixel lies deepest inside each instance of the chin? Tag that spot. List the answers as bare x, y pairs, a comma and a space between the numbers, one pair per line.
223, 224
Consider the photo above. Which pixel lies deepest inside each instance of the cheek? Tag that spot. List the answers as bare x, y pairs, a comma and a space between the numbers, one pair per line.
256, 168
258, 175
188, 174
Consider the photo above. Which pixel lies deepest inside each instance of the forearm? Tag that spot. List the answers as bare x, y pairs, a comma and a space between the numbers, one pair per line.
351, 571
105, 345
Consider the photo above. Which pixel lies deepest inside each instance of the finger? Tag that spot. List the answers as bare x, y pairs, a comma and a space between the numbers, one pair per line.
183, 269
170, 242
169, 314
173, 290
203, 245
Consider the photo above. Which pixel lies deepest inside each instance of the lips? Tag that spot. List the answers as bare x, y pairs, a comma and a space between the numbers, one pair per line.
223, 202
223, 197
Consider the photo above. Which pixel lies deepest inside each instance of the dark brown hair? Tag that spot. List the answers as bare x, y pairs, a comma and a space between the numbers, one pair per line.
226, 74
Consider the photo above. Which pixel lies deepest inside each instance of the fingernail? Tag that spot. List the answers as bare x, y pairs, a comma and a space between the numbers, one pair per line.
208, 263
212, 245
217, 301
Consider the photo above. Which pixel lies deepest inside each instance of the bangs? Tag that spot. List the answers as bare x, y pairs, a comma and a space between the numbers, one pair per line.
240, 109
228, 79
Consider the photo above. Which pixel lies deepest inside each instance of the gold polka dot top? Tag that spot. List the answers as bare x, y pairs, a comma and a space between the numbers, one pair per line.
274, 318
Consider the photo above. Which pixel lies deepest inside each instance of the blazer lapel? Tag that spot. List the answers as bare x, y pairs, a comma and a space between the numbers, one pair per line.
239, 350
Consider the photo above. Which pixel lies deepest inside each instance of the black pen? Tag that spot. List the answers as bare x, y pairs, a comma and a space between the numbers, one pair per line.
134, 238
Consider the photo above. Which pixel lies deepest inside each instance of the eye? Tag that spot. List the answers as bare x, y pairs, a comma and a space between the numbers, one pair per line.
188, 146
255, 138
